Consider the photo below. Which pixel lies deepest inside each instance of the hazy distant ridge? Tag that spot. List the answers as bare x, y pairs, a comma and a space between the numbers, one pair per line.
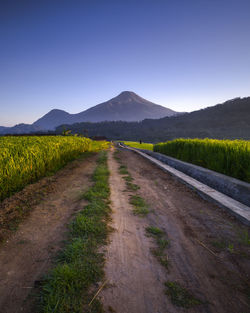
229, 120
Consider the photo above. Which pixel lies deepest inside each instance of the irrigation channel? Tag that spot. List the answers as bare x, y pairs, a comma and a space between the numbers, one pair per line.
169, 251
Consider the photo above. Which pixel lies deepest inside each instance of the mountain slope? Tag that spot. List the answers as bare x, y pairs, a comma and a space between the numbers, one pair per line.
3, 129
127, 106
52, 119
227, 120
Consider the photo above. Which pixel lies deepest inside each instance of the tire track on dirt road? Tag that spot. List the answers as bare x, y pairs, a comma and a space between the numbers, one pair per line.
28, 254
135, 278
220, 280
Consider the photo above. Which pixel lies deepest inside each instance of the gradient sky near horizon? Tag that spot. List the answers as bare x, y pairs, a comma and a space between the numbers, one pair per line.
71, 55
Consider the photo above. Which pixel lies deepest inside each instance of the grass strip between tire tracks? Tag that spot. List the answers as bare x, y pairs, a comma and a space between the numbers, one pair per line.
140, 206
69, 286
178, 295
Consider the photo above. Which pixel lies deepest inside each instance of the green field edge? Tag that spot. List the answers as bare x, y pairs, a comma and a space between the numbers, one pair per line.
228, 157
25, 160
69, 285
9, 223
138, 145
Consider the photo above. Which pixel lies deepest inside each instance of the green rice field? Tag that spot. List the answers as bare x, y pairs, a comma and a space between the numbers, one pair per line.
25, 159
229, 157
135, 144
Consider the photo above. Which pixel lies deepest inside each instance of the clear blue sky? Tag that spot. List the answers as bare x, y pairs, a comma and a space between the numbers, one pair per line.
71, 55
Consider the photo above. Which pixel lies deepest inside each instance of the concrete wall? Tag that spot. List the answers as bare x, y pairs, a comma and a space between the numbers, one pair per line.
231, 187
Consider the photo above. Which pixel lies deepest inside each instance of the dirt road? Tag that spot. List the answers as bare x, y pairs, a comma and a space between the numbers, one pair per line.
196, 229
28, 254
209, 252
135, 277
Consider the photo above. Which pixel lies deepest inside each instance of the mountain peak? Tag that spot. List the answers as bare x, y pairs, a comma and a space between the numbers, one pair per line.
57, 111
127, 106
52, 118
126, 95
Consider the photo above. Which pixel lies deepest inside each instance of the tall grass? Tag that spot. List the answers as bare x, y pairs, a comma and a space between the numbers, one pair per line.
24, 160
71, 285
229, 157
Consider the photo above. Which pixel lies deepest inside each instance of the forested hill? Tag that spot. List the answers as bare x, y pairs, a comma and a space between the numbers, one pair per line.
227, 120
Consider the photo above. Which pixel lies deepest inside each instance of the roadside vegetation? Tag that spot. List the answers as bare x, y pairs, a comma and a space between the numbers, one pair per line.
69, 287
229, 157
24, 160
138, 145
140, 207
238, 244
180, 296
162, 244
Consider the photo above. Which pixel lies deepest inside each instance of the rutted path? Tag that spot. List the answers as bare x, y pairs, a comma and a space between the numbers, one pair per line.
217, 275
209, 250
27, 255
135, 277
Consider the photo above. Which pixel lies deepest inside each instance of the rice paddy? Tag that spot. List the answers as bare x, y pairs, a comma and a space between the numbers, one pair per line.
138, 145
25, 159
229, 157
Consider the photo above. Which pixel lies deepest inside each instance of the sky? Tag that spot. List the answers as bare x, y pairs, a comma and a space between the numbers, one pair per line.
72, 54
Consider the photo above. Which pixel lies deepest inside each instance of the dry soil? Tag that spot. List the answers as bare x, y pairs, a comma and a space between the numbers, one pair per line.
207, 254
27, 255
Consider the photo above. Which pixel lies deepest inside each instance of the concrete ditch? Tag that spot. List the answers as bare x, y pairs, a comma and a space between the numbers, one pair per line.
230, 193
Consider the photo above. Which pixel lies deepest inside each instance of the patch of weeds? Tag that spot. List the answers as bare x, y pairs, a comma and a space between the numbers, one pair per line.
163, 259
137, 201
180, 296
122, 167
117, 155
244, 237
128, 178
231, 248
220, 244
155, 231
80, 265
140, 206
162, 244
223, 245
132, 187
161, 256
123, 170
140, 211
